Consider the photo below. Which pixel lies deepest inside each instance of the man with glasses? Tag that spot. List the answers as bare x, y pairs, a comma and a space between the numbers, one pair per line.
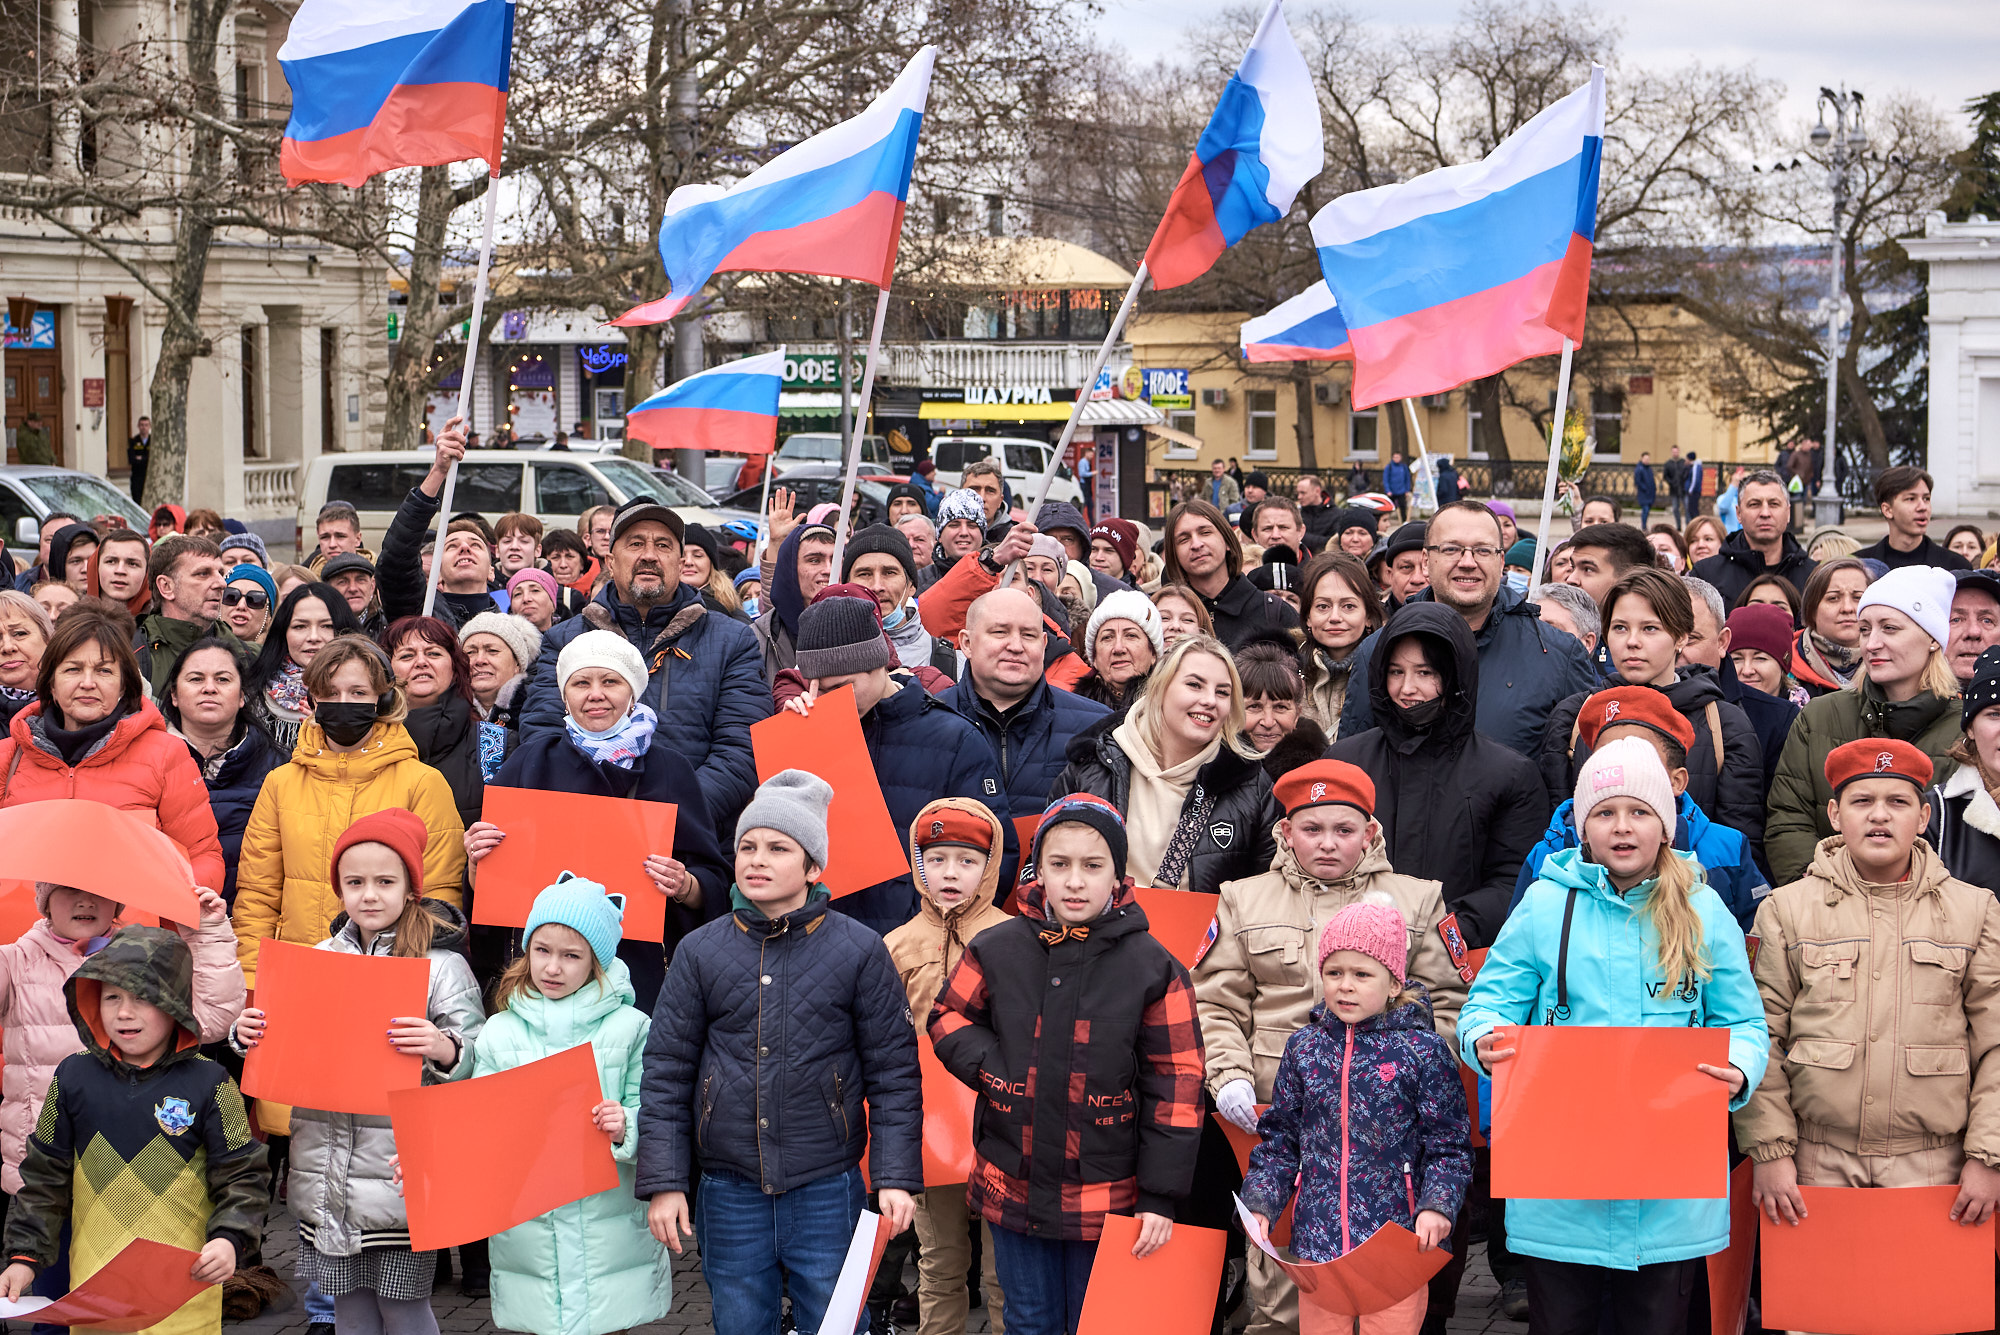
1525, 667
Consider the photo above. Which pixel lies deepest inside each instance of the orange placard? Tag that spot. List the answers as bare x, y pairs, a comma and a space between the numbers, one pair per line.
1024, 835
1240, 1140
948, 1109
1729, 1269
1467, 1076
327, 1041
1179, 920
1572, 1102
143, 1285
17, 910
1171, 1292
542, 843
71, 841
1878, 1261
863, 846
1377, 1275
484, 1155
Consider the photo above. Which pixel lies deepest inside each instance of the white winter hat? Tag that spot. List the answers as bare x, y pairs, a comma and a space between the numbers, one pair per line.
1628, 767
602, 649
1126, 605
517, 633
1922, 593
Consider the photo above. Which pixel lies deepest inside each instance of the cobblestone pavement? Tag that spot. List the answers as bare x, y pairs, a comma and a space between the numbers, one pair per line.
1478, 1299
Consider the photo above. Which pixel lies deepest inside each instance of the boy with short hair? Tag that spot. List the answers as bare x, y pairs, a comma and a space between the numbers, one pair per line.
955, 853
1880, 974
141, 1136
1078, 1030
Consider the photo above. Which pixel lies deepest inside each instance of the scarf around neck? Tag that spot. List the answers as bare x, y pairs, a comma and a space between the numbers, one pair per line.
288, 690
622, 744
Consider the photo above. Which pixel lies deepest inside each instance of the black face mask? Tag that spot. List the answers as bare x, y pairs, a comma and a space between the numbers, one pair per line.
344, 724
1421, 717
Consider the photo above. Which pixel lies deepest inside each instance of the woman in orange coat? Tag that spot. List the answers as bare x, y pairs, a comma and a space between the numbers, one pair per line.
91, 733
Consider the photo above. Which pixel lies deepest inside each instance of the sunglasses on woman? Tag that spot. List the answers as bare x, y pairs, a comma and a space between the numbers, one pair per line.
257, 598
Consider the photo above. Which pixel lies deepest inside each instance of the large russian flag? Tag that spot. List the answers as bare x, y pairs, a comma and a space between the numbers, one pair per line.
1260, 148
1467, 270
379, 84
1308, 328
731, 407
832, 205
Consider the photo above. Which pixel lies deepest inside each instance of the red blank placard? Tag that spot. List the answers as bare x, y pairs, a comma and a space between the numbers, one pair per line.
143, 1285
949, 1104
1377, 1275
1171, 1292
1878, 1261
604, 839
327, 1041
863, 847
1179, 920
1573, 1103
109, 852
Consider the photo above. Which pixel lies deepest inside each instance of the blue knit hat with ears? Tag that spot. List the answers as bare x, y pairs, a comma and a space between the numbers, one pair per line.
587, 909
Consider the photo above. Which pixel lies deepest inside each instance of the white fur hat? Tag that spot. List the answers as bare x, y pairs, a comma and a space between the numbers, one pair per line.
1126, 605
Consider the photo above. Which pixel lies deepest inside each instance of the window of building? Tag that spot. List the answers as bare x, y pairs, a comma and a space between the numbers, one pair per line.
1474, 449
1263, 439
1182, 422
1607, 421
1362, 425
252, 378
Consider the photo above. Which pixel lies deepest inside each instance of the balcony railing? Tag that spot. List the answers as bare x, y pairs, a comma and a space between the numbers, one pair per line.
271, 489
939, 365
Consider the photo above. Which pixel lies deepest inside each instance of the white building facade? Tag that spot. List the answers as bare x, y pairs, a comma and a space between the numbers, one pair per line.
1964, 260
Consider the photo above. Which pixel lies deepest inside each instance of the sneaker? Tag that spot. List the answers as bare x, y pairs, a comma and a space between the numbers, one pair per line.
320, 1328
1514, 1300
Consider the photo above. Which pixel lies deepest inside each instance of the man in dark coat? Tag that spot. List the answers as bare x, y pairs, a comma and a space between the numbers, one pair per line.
706, 679
1762, 546
1455, 805
1645, 488
1204, 553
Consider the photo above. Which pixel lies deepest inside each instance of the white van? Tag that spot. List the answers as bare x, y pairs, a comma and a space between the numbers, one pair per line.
556, 486
1022, 463
823, 447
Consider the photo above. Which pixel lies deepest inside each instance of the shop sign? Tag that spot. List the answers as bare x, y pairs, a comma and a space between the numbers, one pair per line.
1166, 387
597, 358
820, 371
395, 326
532, 374
514, 325
93, 392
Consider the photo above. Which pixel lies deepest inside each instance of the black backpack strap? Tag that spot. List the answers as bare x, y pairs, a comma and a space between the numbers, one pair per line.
1560, 1011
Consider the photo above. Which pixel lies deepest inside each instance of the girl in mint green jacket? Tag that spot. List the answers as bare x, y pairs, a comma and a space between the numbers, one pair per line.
588, 1267
1647, 944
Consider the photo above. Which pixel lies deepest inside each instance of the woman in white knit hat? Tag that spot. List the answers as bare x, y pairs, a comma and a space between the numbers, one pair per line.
1122, 642
501, 649
1903, 688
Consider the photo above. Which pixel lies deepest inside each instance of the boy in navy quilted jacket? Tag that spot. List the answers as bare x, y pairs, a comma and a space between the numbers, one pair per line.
1368, 1079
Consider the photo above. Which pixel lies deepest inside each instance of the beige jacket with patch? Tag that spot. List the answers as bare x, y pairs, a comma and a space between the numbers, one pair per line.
927, 947
1259, 981
1884, 1008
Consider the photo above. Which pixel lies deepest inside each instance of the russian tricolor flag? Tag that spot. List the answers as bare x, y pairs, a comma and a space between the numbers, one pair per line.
380, 84
832, 205
1467, 270
1308, 328
1260, 148
732, 407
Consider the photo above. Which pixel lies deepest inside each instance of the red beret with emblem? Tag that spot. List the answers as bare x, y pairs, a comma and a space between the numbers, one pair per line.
1877, 758
949, 825
1325, 781
1632, 704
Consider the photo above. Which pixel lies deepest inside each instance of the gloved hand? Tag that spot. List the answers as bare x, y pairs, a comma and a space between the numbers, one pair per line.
1238, 1102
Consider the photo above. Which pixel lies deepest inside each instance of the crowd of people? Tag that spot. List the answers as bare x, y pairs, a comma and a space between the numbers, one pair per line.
1367, 737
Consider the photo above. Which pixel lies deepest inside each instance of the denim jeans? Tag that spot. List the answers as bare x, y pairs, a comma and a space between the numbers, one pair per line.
1044, 1280
755, 1248
319, 1307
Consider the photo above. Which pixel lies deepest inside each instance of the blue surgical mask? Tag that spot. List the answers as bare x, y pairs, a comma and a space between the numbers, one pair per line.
752, 608
1517, 580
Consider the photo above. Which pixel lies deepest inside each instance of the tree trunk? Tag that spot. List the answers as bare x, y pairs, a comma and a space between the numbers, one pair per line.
1873, 437
1302, 400
1391, 415
1485, 397
410, 363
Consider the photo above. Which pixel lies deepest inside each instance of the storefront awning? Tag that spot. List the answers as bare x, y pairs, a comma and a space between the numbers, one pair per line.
995, 412
1177, 437
808, 405
1120, 412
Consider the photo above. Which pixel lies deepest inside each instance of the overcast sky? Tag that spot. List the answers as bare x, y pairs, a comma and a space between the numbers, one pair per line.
1947, 49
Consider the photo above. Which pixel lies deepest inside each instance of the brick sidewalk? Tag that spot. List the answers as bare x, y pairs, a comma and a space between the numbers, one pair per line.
1478, 1300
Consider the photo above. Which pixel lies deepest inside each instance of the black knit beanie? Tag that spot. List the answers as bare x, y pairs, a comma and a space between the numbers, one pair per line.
875, 539
841, 637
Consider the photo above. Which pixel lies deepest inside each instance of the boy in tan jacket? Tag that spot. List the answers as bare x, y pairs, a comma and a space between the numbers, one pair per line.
1258, 980
1881, 982
955, 847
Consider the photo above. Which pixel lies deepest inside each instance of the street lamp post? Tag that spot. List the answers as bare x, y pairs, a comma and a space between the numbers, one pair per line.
1847, 140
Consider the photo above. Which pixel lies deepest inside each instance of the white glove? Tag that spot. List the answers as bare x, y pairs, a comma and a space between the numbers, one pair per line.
1238, 1102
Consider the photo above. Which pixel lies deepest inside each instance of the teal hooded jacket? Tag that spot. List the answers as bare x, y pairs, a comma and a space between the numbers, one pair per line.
1614, 979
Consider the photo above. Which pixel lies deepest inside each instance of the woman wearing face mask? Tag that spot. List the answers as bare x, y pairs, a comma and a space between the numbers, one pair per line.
248, 601
307, 620
1123, 641
607, 748
1826, 653
25, 628
204, 705
1427, 758
1339, 608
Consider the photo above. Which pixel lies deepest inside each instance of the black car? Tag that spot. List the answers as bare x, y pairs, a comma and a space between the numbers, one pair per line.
815, 484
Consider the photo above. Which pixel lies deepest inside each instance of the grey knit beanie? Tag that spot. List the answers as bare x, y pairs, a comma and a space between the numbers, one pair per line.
517, 633
249, 542
793, 803
841, 637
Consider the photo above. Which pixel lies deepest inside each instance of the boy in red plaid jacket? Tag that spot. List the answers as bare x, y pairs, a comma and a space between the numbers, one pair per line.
1078, 1030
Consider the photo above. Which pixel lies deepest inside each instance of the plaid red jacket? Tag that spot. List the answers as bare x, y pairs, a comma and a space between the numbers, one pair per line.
1087, 1057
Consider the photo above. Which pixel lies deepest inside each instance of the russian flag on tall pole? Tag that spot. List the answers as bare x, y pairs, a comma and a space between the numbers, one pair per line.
1467, 270
1260, 148
1308, 328
732, 407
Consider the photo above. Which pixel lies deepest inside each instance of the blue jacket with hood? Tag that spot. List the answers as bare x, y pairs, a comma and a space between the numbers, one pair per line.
1724, 855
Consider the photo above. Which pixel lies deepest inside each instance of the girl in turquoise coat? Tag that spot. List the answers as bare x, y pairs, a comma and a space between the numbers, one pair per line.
588, 1267
1647, 944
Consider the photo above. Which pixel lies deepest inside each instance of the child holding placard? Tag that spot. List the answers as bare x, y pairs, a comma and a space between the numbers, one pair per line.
955, 847
1367, 1115
590, 1266
354, 1236
1880, 974
1620, 931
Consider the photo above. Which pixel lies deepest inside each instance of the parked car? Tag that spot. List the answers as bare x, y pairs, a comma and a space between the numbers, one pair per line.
814, 484
1021, 464
823, 447
555, 486
29, 493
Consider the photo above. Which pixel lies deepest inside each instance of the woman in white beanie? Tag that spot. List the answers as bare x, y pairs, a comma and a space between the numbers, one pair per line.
606, 749
501, 649
1903, 688
1122, 642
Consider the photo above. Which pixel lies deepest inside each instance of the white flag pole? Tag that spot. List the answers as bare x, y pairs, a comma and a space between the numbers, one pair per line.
764, 502
856, 432
1555, 463
1083, 391
472, 341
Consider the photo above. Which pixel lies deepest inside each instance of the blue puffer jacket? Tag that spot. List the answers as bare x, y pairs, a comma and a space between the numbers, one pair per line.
1028, 744
1369, 1119
769, 1038
234, 779
707, 686
1724, 855
1614, 979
